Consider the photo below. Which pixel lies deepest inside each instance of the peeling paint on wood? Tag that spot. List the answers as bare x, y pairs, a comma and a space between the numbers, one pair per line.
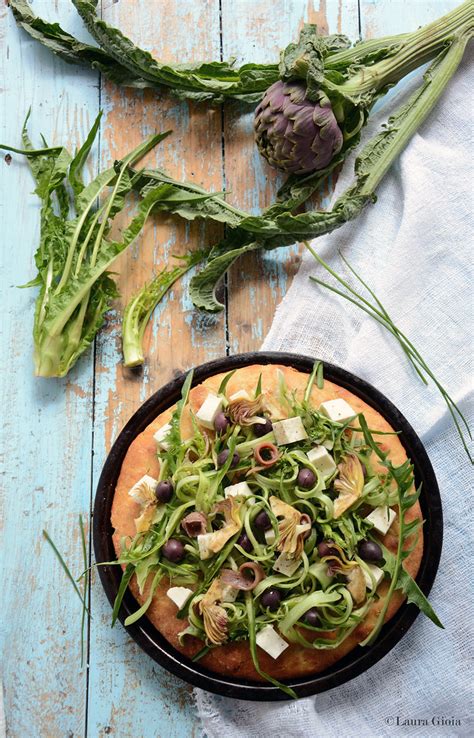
56, 434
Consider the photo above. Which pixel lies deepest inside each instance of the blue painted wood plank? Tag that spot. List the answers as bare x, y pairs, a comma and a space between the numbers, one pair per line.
46, 424
130, 695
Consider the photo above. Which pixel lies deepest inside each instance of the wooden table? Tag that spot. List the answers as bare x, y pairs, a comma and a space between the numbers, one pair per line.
56, 433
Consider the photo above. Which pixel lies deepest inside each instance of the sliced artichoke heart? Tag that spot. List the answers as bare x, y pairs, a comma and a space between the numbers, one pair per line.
215, 541
292, 532
356, 584
213, 615
152, 511
246, 412
349, 484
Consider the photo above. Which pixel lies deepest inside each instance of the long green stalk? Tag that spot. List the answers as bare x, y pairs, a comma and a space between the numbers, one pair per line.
380, 314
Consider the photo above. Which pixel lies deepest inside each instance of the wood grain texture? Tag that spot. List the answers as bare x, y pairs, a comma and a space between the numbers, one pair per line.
55, 434
177, 338
46, 424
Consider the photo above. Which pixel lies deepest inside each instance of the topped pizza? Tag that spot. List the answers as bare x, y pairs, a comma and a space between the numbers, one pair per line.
268, 523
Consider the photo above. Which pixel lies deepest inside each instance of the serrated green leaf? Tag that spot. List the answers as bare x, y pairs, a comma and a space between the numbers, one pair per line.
408, 585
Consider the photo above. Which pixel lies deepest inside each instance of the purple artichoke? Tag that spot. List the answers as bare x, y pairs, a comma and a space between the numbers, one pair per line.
293, 133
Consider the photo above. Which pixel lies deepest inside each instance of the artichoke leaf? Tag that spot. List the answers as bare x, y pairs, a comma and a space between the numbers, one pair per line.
214, 616
151, 512
349, 484
232, 524
356, 584
246, 412
291, 530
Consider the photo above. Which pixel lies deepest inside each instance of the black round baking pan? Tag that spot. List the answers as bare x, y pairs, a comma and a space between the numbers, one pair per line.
359, 659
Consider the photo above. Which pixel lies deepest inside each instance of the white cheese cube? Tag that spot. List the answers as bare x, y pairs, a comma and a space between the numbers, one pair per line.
160, 437
238, 490
271, 642
290, 430
322, 460
382, 518
338, 410
229, 593
206, 414
179, 595
143, 490
239, 395
270, 536
285, 565
376, 573
203, 545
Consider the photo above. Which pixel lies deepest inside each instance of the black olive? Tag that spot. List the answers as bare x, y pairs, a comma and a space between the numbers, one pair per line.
262, 521
173, 550
164, 491
311, 617
271, 598
325, 549
221, 423
370, 551
244, 541
306, 479
261, 429
224, 455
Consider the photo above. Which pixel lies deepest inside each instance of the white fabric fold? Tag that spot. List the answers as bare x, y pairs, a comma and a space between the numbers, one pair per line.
414, 248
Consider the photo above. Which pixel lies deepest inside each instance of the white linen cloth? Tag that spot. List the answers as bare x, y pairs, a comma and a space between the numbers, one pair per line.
414, 248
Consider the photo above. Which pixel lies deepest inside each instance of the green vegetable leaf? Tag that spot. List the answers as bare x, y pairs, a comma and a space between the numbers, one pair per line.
408, 585
124, 582
74, 255
204, 284
70, 49
142, 610
214, 208
140, 307
225, 382
77, 164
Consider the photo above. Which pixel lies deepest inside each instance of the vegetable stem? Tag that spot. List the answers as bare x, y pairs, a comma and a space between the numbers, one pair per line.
417, 49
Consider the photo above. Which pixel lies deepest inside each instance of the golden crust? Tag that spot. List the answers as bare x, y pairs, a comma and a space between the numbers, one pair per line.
235, 659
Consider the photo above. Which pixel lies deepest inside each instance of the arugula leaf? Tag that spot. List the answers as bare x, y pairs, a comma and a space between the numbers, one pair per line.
408, 585
142, 610
124, 582
315, 373
403, 477
225, 382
